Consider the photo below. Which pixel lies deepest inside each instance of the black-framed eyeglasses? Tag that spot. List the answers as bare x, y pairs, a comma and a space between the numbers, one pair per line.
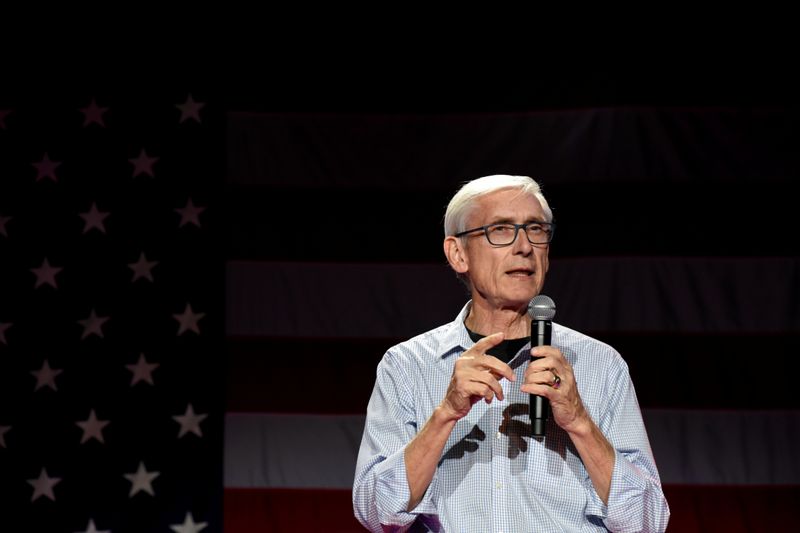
505, 233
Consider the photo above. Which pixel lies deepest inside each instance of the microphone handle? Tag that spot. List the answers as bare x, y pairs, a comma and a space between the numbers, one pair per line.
539, 406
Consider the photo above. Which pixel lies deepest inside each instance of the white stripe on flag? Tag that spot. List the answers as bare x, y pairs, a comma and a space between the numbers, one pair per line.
691, 447
291, 451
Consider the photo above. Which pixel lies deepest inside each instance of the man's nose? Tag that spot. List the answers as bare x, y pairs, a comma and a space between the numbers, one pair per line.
522, 245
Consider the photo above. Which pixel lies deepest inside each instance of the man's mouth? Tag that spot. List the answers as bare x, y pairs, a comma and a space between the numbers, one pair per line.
520, 272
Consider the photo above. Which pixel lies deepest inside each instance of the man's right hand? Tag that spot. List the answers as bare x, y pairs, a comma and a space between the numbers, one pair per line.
476, 376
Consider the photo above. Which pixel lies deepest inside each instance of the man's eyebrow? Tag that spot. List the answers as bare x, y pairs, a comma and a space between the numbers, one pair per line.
501, 220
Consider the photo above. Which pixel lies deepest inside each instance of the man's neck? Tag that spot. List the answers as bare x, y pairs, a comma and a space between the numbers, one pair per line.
482, 319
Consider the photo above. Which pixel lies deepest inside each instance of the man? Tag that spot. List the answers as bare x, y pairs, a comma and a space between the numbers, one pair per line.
447, 443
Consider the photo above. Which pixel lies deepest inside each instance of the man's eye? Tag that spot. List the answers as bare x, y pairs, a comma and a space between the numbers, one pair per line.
536, 228
501, 229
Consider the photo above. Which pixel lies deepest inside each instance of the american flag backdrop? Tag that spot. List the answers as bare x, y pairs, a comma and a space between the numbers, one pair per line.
196, 288
677, 243
111, 293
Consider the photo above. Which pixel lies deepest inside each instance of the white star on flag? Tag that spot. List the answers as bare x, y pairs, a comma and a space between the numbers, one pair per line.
46, 376
190, 109
143, 164
93, 114
189, 525
3, 431
3, 114
142, 268
43, 486
92, 428
3, 327
92, 529
190, 422
3, 221
93, 325
190, 214
188, 320
46, 274
142, 371
142, 480
93, 219
46, 168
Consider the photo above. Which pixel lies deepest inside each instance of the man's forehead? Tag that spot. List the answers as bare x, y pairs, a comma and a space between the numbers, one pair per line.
508, 204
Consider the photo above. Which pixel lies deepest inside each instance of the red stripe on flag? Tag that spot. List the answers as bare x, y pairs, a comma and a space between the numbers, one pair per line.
695, 509
732, 509
296, 510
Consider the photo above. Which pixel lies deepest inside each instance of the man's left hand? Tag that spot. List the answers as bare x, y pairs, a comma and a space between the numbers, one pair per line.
551, 376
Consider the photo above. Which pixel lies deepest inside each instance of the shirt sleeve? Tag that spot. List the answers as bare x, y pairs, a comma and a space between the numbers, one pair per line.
636, 501
380, 486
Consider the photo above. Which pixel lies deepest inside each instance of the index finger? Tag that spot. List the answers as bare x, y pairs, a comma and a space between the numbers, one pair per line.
493, 364
544, 351
488, 342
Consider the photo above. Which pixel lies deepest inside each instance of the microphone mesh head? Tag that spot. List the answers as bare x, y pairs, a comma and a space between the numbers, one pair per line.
541, 307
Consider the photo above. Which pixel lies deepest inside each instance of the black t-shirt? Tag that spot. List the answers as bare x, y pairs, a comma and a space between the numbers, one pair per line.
506, 350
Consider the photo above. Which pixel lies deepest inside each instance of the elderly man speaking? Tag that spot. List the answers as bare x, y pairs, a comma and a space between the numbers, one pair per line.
448, 444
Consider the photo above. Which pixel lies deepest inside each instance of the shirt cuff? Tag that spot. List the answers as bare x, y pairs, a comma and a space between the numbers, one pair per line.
394, 494
626, 503
626, 484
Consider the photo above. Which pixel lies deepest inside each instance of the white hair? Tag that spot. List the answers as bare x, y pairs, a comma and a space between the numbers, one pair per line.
461, 205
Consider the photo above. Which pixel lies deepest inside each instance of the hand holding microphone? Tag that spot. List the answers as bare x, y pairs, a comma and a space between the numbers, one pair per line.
549, 375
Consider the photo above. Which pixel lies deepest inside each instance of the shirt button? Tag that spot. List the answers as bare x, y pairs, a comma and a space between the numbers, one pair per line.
499, 434
498, 485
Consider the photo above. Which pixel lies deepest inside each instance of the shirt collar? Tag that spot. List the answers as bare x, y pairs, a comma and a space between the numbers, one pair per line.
456, 338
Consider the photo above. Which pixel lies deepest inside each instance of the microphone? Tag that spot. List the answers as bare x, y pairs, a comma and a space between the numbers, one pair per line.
541, 309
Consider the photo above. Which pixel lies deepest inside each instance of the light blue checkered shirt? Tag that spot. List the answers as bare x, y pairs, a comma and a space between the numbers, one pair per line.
492, 476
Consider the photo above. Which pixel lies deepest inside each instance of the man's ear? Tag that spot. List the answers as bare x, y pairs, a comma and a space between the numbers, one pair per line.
456, 256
